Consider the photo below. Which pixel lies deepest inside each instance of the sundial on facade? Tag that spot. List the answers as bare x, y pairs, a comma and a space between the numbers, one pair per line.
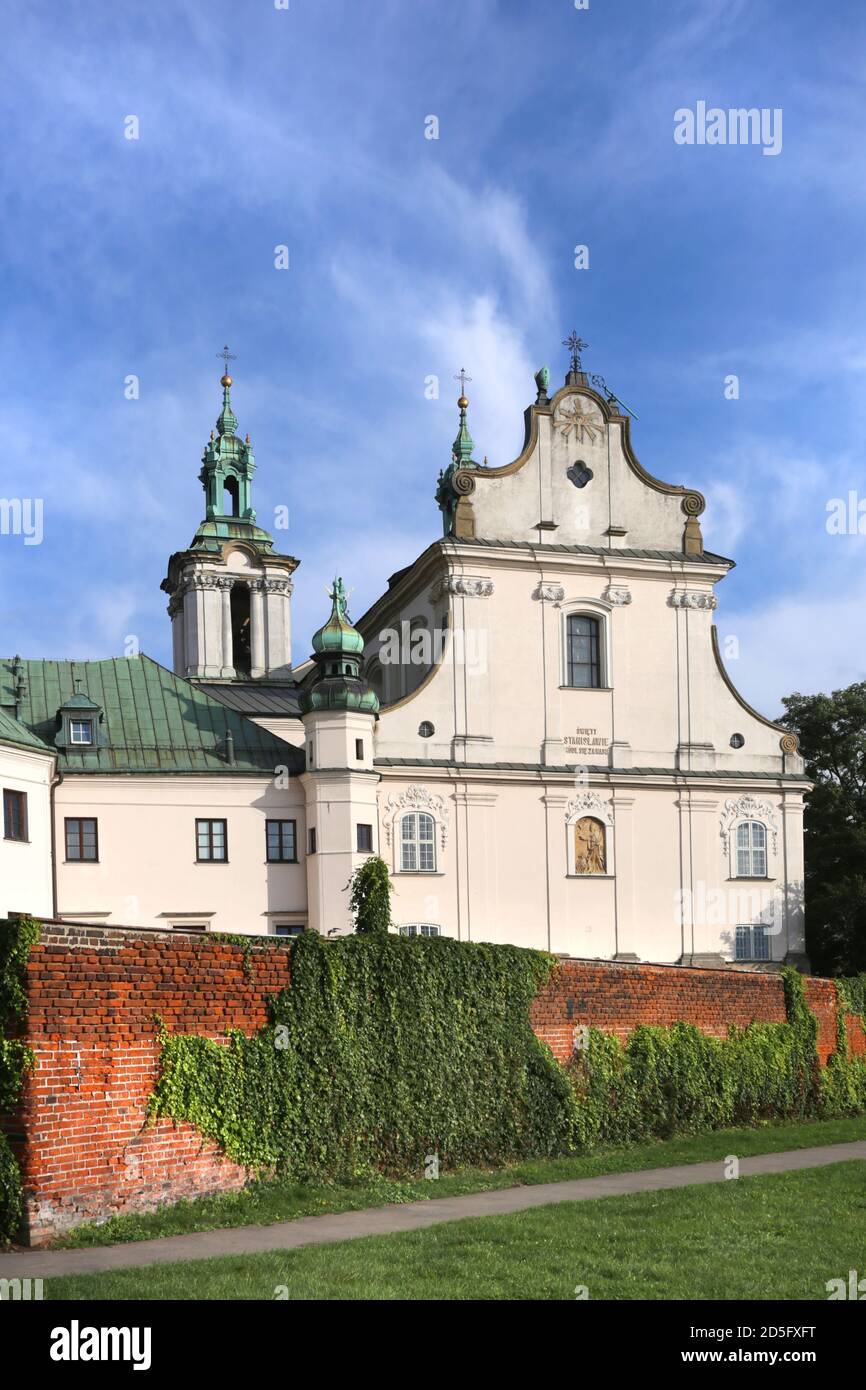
572, 418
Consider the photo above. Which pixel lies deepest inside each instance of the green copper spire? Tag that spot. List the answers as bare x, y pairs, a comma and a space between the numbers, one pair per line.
227, 468
227, 421
463, 444
338, 647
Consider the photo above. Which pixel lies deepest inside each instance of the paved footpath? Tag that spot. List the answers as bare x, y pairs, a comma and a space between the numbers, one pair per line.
411, 1216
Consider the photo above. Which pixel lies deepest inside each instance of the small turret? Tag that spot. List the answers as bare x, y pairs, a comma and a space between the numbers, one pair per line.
338, 648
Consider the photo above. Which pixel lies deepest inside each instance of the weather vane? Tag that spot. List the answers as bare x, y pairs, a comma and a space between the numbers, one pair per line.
227, 357
462, 378
575, 346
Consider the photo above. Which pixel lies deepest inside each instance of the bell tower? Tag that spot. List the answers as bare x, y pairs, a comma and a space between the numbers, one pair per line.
230, 591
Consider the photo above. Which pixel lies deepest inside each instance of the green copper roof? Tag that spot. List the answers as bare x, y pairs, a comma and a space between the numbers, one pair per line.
336, 681
13, 731
153, 721
338, 635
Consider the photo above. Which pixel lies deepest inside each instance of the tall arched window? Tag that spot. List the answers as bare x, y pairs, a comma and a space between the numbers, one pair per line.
751, 849
583, 654
417, 843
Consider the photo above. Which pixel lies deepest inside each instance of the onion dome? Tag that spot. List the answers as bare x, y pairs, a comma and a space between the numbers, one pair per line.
336, 682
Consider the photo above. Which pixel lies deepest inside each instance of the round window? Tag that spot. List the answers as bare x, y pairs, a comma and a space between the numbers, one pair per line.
426, 729
737, 740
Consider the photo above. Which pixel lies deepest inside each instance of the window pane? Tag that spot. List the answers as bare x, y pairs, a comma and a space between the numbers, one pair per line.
743, 945
72, 851
583, 651
762, 943
408, 858
203, 840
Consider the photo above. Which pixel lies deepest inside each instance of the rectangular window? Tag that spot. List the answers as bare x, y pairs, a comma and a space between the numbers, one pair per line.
81, 840
280, 838
81, 731
359, 749
419, 929
365, 839
189, 926
14, 815
311, 839
288, 929
752, 943
751, 850
583, 647
211, 841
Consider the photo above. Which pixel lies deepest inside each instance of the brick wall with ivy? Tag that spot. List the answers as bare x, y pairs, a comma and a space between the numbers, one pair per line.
118, 1015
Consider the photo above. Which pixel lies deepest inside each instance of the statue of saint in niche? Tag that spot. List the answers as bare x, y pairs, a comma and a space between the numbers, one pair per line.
589, 856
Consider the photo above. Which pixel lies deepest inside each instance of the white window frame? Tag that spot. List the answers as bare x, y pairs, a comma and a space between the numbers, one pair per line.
586, 608
428, 929
75, 724
751, 850
739, 812
416, 841
757, 931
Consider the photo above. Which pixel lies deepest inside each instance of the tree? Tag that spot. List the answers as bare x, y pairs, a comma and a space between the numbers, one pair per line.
370, 896
832, 733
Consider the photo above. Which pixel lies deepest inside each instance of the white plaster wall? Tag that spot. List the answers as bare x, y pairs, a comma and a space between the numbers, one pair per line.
147, 851
25, 866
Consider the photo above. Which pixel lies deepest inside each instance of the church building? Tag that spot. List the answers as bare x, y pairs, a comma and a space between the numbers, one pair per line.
532, 725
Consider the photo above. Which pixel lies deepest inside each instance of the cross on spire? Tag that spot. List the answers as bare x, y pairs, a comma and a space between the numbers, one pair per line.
462, 377
575, 346
227, 357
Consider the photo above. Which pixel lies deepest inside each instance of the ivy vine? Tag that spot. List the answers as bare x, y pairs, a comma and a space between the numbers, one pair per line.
16, 939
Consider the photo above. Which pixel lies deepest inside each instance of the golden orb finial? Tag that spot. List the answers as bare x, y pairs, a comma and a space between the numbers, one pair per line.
463, 402
225, 380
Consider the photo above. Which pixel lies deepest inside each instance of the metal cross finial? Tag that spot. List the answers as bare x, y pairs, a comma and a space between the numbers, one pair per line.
462, 378
575, 346
227, 356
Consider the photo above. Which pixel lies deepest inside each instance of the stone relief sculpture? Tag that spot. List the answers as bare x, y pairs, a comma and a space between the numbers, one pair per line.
589, 846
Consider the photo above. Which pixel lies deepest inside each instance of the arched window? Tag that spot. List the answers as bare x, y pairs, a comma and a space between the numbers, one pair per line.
590, 849
751, 849
231, 497
417, 843
583, 651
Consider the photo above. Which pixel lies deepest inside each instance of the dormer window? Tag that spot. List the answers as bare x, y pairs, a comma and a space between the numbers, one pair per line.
81, 731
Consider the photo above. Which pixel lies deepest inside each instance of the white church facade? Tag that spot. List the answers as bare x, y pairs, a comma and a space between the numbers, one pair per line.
533, 726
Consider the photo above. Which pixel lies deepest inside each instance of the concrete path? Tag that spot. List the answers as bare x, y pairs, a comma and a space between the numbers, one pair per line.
411, 1216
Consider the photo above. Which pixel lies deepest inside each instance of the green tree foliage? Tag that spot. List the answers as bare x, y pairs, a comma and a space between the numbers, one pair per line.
832, 732
370, 896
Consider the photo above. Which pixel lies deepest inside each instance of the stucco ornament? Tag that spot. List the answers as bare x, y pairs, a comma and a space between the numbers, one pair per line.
416, 798
692, 598
748, 807
617, 594
459, 584
549, 593
576, 417
589, 804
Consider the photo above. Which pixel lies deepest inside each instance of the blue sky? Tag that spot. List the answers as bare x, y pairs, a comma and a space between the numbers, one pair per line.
409, 257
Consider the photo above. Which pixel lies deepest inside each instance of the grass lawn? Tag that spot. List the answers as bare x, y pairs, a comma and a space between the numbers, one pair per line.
264, 1203
775, 1237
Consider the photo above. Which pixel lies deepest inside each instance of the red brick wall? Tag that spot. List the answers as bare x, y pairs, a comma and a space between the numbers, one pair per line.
94, 993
